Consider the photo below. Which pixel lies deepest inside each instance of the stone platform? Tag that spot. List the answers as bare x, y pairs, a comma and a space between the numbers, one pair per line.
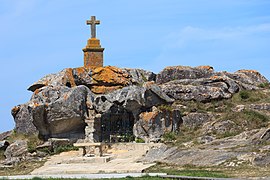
120, 158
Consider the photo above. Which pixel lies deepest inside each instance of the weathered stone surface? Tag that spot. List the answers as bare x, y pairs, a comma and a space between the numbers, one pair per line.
221, 127
205, 85
194, 120
16, 151
23, 119
260, 107
127, 103
60, 111
5, 135
132, 98
64, 77
230, 151
100, 79
154, 124
184, 72
263, 107
245, 79
196, 157
140, 76
254, 77
262, 160
180, 90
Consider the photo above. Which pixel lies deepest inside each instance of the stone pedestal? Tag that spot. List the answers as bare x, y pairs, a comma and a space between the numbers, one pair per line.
92, 130
93, 54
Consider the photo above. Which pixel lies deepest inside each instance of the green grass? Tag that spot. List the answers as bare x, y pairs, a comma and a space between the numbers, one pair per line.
127, 178
170, 136
248, 97
247, 119
264, 85
186, 171
139, 140
165, 107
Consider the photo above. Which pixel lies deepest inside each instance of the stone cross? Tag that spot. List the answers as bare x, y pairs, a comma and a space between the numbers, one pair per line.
93, 22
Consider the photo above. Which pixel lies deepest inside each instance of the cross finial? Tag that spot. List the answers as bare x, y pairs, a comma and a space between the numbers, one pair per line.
93, 22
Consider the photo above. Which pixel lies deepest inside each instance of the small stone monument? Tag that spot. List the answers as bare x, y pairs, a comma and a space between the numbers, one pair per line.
93, 52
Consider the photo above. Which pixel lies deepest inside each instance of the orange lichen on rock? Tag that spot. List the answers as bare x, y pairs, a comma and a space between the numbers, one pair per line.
65, 96
110, 75
104, 89
37, 91
15, 110
36, 104
148, 84
208, 68
249, 71
147, 116
68, 78
109, 78
81, 71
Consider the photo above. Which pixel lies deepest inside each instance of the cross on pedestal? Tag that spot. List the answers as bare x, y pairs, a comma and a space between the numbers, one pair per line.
93, 22
93, 52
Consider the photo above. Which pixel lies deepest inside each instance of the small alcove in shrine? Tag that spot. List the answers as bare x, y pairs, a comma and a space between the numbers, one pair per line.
117, 125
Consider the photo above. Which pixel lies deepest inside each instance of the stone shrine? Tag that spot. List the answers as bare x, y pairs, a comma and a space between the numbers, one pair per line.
93, 52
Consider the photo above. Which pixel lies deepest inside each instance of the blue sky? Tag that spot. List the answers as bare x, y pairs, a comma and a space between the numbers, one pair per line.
38, 37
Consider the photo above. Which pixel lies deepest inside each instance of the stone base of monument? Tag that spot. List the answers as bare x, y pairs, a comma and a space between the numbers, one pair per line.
85, 159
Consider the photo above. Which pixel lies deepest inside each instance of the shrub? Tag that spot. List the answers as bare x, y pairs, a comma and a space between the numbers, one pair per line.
264, 85
139, 140
244, 95
170, 136
165, 107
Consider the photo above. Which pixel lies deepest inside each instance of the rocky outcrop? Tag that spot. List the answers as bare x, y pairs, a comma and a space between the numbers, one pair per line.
184, 72
264, 107
152, 125
15, 152
53, 111
203, 90
140, 76
100, 80
195, 120
203, 84
127, 103
133, 98
5, 135
23, 119
230, 151
60, 111
76, 102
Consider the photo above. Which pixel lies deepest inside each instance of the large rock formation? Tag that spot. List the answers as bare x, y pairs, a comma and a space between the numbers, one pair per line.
79, 103
99, 103
203, 84
109, 104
